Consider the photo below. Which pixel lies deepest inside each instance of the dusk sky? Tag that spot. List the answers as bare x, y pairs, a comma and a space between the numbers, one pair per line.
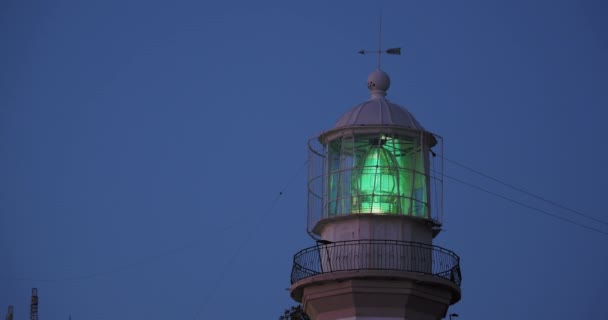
143, 145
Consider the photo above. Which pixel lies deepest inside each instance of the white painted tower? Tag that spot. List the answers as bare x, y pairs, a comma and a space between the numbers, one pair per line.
374, 207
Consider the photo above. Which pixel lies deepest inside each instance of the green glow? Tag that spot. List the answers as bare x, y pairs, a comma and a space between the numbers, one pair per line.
377, 181
376, 174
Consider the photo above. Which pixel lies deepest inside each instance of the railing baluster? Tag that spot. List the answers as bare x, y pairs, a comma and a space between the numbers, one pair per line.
376, 255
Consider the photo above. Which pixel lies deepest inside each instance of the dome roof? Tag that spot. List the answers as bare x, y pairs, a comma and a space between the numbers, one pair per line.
378, 110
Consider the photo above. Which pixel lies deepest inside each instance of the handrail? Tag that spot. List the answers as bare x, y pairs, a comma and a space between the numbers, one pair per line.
376, 255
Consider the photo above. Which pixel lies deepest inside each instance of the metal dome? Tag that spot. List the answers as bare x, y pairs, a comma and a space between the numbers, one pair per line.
378, 111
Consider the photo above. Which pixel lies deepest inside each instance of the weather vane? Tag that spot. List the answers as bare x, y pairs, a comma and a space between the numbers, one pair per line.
396, 51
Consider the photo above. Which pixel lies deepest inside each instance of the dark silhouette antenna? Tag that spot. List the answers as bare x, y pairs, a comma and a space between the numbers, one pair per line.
34, 305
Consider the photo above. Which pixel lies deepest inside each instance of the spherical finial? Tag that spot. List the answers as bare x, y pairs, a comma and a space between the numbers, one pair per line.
378, 83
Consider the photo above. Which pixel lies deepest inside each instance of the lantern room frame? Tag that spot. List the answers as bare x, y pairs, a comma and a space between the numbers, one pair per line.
343, 182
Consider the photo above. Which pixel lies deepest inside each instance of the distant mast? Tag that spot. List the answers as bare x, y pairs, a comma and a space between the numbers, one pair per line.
9, 313
34, 305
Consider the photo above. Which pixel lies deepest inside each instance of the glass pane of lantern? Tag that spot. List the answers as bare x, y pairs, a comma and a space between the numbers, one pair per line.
376, 174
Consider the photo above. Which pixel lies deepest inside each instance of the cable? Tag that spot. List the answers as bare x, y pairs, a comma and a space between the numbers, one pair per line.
149, 259
246, 241
526, 192
116, 269
527, 206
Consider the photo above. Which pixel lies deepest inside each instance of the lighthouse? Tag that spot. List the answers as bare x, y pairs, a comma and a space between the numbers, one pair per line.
374, 208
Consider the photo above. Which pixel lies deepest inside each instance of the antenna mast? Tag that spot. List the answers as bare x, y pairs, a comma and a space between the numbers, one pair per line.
9, 314
34, 305
379, 41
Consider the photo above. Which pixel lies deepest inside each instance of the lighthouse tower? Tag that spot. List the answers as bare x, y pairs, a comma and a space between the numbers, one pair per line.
374, 207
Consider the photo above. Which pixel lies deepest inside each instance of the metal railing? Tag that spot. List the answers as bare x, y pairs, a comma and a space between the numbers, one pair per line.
376, 255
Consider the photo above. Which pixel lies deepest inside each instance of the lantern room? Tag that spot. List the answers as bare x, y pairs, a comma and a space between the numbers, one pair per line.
376, 161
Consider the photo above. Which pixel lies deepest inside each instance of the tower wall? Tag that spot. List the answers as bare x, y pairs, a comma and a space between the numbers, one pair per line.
358, 227
367, 295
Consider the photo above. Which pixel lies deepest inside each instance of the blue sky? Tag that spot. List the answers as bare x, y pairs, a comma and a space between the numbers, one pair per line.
143, 144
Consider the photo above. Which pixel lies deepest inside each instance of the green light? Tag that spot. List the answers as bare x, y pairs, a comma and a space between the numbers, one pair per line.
377, 181
376, 174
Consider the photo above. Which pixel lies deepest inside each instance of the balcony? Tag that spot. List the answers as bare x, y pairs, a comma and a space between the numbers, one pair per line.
376, 255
